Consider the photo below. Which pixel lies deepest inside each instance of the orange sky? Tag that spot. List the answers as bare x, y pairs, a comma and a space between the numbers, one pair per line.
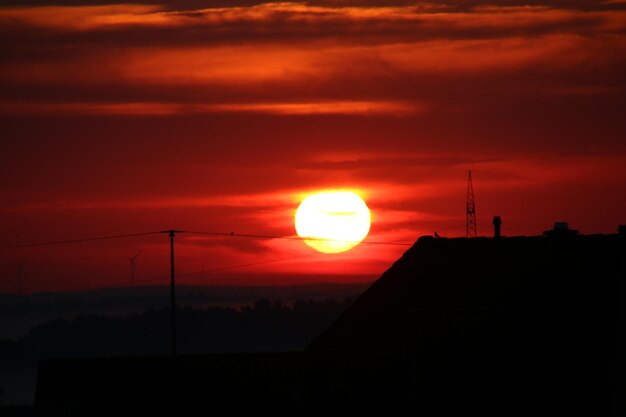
221, 115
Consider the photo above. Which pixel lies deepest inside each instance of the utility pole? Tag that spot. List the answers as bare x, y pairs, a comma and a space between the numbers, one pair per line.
172, 234
470, 226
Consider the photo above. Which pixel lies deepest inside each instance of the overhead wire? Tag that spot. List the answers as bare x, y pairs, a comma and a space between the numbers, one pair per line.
226, 268
80, 240
231, 234
254, 236
205, 233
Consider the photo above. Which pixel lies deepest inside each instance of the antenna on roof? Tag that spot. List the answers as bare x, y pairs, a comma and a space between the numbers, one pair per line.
470, 227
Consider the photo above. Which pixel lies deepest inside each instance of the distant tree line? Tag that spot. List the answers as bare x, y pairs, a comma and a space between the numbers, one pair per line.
264, 326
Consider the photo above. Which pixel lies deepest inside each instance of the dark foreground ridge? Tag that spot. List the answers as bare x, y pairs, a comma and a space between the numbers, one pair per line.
506, 326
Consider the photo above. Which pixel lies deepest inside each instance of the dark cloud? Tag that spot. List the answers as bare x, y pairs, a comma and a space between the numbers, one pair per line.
203, 4
170, 4
294, 25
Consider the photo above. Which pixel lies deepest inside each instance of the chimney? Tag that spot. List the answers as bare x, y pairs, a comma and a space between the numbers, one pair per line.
497, 221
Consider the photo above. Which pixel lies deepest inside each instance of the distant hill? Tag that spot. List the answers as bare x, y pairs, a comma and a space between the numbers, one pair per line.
135, 321
18, 314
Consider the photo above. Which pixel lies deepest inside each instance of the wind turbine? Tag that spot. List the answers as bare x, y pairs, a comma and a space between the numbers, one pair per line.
133, 268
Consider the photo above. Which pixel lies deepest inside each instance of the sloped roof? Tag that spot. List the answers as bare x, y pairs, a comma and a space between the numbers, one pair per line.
451, 288
509, 326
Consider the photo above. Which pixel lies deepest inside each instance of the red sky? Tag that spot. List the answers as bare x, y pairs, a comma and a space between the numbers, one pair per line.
222, 115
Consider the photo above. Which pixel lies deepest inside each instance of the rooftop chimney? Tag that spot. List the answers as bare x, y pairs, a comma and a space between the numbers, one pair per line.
497, 221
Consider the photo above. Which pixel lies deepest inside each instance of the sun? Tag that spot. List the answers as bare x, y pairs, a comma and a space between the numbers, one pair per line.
336, 221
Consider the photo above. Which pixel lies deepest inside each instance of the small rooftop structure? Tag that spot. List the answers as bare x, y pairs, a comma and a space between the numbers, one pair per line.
497, 224
560, 229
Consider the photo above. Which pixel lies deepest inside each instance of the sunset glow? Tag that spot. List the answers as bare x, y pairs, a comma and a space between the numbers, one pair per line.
219, 116
336, 221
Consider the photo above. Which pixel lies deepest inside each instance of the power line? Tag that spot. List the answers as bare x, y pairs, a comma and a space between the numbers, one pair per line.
190, 274
246, 265
67, 241
253, 236
231, 234
220, 269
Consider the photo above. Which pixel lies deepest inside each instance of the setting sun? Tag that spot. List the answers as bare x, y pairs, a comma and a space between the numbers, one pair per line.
335, 221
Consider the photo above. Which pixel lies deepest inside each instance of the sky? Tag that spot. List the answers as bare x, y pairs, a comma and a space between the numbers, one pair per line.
221, 116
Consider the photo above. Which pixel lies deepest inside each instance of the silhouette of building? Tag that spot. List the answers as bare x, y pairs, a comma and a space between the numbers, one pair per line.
536, 328
561, 229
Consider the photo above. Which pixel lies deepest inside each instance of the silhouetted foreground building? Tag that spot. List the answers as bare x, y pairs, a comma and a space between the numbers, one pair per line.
508, 326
